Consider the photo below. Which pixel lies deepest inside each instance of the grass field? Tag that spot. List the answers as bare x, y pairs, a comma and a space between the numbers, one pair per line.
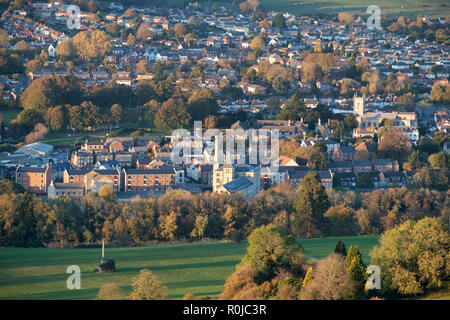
388, 7
198, 268
9, 115
332, 7
58, 139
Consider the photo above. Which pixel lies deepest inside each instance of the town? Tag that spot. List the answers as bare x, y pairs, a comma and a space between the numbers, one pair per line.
95, 95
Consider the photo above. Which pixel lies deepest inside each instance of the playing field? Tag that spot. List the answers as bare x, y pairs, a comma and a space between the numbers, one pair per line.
198, 268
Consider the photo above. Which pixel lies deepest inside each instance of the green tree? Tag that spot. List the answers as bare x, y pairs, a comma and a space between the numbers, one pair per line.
202, 104
357, 271
365, 181
438, 160
9, 187
317, 159
23, 232
340, 248
270, 250
414, 257
147, 286
310, 205
308, 277
293, 109
173, 114
279, 21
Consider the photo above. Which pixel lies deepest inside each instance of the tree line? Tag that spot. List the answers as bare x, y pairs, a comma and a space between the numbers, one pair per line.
309, 211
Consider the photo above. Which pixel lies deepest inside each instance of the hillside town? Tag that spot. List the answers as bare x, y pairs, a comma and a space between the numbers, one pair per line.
225, 149
142, 165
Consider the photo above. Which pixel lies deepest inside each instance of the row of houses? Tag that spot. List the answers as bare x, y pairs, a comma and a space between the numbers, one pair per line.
78, 182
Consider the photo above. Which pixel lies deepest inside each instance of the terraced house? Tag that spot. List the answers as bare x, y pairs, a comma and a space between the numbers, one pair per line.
34, 179
149, 179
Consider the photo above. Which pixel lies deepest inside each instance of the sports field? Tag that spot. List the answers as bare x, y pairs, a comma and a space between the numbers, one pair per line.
198, 268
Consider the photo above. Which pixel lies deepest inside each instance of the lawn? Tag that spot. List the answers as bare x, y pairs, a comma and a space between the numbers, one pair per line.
9, 115
58, 139
198, 268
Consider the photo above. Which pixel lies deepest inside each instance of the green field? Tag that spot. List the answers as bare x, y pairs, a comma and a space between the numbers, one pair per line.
388, 7
9, 115
332, 7
198, 268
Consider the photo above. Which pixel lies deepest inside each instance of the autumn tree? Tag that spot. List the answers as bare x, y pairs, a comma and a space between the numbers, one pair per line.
173, 114
240, 285
110, 291
331, 281
43, 93
317, 159
169, 226
143, 32
346, 17
57, 118
439, 160
201, 221
147, 286
394, 145
116, 113
342, 220
257, 43
107, 192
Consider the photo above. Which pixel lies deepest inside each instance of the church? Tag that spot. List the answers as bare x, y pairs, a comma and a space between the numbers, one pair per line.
374, 119
235, 179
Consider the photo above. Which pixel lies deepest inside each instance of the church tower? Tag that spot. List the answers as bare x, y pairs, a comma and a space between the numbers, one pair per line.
358, 105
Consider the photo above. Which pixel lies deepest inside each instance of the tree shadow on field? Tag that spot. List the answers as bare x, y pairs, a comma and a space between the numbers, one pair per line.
229, 263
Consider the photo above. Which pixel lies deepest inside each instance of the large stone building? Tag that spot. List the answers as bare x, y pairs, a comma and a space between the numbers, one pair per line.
157, 179
230, 178
93, 180
35, 180
375, 119
65, 189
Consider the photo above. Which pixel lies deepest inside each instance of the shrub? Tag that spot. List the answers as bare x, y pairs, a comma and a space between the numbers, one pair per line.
236, 236
108, 266
110, 291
